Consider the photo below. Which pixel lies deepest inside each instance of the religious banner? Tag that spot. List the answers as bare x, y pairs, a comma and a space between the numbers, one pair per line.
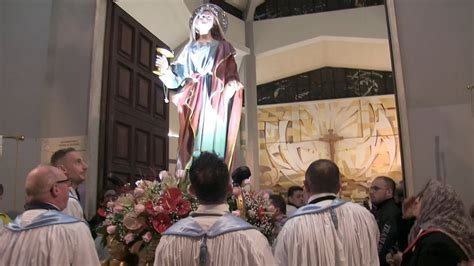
359, 134
50, 145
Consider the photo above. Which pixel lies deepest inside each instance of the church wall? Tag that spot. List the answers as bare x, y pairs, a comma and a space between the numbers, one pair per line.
46, 58
276, 34
437, 64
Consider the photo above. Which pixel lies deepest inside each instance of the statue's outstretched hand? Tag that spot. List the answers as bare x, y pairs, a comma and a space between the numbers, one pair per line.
161, 62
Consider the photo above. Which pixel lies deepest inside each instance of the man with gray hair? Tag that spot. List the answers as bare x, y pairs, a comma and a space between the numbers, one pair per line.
43, 235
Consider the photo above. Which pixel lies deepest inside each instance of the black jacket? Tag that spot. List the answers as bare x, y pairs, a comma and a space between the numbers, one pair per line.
388, 216
435, 248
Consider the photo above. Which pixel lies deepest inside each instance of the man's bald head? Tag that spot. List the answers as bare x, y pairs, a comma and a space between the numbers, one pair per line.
40, 180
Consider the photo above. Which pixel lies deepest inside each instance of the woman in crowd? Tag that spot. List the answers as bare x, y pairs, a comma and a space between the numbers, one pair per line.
443, 232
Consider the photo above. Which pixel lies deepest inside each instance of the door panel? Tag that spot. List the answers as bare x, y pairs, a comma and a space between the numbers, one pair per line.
134, 128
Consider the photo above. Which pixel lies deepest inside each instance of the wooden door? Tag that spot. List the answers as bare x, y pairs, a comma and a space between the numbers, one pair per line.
135, 121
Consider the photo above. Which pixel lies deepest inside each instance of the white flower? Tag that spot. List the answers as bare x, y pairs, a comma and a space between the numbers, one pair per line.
163, 174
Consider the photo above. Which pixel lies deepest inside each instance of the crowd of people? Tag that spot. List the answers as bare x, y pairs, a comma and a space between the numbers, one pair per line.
314, 226
432, 228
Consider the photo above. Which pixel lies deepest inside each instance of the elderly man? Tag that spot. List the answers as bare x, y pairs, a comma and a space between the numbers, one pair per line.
327, 231
72, 164
387, 214
212, 236
43, 235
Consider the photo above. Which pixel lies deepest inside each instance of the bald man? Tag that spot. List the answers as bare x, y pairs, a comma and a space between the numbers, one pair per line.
43, 235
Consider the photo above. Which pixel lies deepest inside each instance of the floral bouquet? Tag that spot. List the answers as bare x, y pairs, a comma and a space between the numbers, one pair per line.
254, 207
135, 221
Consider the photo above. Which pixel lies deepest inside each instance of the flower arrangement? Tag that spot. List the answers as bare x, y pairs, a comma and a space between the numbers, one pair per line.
135, 221
256, 209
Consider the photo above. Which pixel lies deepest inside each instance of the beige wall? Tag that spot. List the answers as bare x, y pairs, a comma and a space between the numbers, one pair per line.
45, 80
436, 59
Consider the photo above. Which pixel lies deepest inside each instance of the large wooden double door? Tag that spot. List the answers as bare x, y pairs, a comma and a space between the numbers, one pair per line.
135, 120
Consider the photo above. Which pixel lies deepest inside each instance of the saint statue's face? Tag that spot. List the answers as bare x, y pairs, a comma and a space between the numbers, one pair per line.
204, 22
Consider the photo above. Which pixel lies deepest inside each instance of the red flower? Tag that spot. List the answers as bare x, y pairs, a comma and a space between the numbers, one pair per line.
101, 212
171, 198
149, 208
161, 222
183, 208
261, 212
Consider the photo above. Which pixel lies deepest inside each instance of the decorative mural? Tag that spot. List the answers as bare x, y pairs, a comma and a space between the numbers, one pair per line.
359, 134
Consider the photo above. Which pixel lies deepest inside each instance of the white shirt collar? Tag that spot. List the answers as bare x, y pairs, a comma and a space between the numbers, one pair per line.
213, 208
320, 195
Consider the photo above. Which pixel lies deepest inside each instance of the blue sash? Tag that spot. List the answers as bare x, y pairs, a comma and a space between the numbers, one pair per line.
313, 209
50, 217
190, 228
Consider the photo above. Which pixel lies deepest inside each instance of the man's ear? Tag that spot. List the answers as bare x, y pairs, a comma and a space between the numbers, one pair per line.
390, 193
62, 168
306, 186
54, 191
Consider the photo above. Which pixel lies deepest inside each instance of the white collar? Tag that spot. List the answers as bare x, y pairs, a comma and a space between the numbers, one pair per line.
320, 195
213, 208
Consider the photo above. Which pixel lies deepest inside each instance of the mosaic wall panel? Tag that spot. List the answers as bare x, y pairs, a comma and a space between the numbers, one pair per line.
326, 83
359, 134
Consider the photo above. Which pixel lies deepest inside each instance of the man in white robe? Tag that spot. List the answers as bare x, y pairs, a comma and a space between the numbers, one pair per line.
43, 235
74, 167
212, 236
327, 231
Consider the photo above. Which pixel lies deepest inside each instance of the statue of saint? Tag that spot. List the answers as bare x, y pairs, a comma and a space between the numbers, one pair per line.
209, 99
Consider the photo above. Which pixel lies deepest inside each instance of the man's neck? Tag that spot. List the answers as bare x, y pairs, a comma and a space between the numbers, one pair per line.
47, 205
292, 204
380, 204
314, 196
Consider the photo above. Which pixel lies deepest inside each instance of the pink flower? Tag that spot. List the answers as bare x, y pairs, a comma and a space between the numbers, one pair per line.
139, 208
147, 237
139, 191
111, 229
180, 174
236, 213
158, 209
236, 191
110, 204
129, 238
118, 209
